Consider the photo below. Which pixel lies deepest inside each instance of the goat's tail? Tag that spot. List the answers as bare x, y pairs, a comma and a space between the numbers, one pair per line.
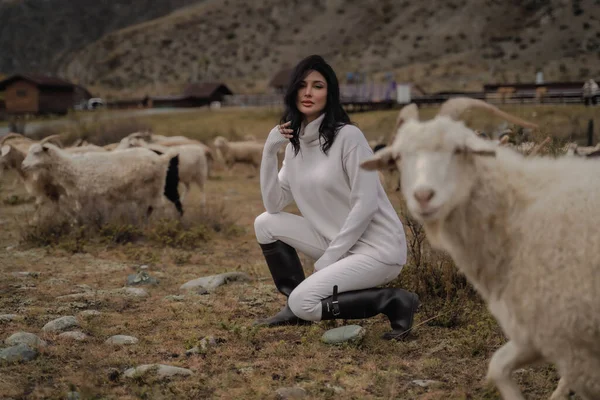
172, 182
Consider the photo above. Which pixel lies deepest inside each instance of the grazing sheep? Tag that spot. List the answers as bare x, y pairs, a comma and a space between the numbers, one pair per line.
169, 141
39, 184
522, 230
137, 175
193, 168
248, 152
85, 149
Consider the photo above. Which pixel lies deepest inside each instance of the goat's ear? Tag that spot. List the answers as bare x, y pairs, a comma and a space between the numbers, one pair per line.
477, 146
5, 150
382, 159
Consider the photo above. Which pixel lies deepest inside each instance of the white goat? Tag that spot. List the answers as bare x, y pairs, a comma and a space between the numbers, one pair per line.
246, 152
522, 230
136, 175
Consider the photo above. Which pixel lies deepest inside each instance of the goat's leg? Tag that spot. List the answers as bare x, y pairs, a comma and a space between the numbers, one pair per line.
562, 391
505, 360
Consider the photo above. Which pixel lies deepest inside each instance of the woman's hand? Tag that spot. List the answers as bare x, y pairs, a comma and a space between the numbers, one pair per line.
285, 130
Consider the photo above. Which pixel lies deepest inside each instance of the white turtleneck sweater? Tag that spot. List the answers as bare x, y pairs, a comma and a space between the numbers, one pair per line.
343, 202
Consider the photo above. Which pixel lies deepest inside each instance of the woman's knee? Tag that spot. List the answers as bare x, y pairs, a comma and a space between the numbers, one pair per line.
262, 228
303, 307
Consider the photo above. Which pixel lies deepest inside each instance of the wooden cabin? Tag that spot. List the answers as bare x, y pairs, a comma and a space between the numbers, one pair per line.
39, 94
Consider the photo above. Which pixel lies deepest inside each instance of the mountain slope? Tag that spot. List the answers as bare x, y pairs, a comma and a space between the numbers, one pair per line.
37, 35
454, 44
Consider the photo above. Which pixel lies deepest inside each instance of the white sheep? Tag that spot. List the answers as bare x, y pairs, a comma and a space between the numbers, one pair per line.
169, 141
133, 175
193, 166
246, 152
522, 230
39, 184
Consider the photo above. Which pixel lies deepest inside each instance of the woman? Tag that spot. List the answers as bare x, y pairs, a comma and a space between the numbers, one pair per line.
348, 224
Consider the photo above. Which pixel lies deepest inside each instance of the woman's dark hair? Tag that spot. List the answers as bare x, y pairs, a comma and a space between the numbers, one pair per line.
335, 115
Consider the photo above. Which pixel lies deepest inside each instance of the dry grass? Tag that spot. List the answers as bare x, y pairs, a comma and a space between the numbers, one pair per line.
454, 336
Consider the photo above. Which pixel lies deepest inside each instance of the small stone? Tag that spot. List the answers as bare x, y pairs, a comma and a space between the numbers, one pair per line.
175, 297
18, 353
141, 278
61, 324
73, 335
342, 334
89, 313
336, 389
27, 338
214, 281
426, 383
133, 292
8, 317
207, 342
162, 371
291, 393
121, 340
9, 248
143, 267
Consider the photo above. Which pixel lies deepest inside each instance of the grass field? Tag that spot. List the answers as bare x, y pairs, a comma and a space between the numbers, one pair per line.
453, 338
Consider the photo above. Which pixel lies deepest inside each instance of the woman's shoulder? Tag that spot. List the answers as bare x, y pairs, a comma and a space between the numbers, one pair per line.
351, 134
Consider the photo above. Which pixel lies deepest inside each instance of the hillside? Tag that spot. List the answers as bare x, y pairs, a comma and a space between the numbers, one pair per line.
455, 44
37, 35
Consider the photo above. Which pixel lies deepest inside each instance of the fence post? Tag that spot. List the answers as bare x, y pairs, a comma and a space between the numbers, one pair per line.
590, 132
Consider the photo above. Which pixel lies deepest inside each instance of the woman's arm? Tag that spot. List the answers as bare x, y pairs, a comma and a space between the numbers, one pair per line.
274, 186
363, 202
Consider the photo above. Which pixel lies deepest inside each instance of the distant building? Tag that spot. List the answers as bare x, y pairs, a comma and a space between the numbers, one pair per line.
194, 95
539, 91
39, 94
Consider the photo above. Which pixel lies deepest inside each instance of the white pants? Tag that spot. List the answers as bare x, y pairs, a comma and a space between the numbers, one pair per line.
354, 272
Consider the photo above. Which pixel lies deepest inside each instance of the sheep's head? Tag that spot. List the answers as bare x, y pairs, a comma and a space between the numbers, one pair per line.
220, 141
436, 158
39, 156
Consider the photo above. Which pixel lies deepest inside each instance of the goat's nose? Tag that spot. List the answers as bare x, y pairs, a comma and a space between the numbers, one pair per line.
423, 195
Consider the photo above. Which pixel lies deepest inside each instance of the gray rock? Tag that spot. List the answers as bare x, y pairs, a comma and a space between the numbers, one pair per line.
426, 383
56, 281
342, 334
336, 389
18, 353
8, 317
61, 324
141, 278
204, 345
27, 338
162, 371
89, 313
121, 340
73, 335
290, 393
143, 267
214, 281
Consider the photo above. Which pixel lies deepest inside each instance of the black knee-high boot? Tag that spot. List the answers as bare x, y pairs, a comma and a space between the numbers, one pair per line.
286, 270
397, 304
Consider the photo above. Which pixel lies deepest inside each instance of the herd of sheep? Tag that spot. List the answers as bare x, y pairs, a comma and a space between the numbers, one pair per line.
520, 226
147, 170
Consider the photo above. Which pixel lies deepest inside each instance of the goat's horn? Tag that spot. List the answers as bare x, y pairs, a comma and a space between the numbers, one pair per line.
454, 107
52, 137
11, 136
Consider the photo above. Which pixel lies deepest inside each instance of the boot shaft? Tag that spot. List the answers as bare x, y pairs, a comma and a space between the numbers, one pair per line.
284, 265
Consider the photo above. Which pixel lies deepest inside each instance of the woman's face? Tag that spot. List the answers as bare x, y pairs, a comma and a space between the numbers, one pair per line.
312, 96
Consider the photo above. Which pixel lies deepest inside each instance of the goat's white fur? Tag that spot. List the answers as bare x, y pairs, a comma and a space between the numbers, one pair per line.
522, 230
